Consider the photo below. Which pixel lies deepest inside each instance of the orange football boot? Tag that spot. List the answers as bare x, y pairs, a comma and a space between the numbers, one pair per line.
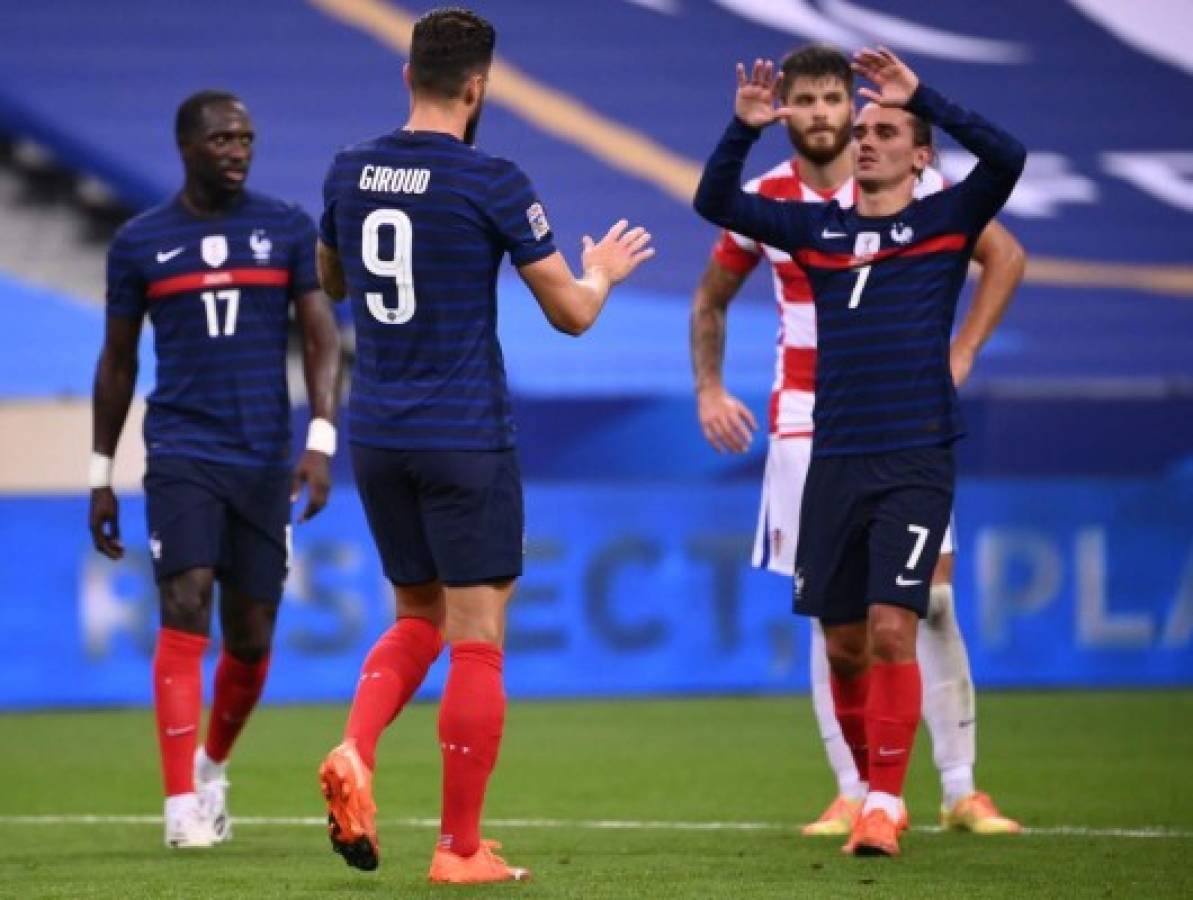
977, 814
483, 867
875, 834
837, 820
347, 787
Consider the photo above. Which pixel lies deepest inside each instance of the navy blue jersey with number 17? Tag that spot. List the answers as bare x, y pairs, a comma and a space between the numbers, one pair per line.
218, 291
421, 222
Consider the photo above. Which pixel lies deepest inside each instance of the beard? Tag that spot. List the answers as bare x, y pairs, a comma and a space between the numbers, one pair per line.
820, 154
473, 124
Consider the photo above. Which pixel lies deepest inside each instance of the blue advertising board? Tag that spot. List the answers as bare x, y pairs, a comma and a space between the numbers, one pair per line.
642, 589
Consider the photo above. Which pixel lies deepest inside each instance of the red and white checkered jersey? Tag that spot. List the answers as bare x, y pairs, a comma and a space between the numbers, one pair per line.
793, 390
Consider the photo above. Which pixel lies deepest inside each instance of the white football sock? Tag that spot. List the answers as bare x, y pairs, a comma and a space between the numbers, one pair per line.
178, 804
950, 708
888, 803
839, 755
207, 769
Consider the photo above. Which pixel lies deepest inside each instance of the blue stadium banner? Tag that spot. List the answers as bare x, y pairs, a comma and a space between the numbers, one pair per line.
636, 590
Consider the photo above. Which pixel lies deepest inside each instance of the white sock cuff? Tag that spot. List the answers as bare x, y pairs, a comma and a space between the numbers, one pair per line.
888, 803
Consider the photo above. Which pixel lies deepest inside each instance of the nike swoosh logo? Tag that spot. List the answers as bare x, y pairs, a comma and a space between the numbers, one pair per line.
883, 751
164, 256
829, 235
179, 732
907, 582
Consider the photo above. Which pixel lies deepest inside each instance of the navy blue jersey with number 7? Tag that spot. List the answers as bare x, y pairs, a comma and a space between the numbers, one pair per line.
885, 288
421, 222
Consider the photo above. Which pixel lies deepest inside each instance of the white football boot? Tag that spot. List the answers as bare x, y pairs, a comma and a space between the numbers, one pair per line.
187, 824
211, 784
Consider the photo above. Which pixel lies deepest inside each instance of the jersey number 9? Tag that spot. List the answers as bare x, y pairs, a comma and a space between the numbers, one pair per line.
400, 268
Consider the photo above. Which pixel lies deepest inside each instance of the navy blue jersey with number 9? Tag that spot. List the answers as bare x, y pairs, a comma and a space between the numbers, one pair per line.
421, 222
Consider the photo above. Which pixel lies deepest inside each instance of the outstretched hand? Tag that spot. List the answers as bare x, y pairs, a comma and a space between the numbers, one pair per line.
895, 80
619, 252
754, 103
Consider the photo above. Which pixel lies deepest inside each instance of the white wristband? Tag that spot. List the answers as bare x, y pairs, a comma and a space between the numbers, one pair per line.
321, 436
99, 471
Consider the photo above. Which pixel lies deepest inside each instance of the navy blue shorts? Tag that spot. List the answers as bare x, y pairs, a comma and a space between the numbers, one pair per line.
870, 532
234, 519
451, 515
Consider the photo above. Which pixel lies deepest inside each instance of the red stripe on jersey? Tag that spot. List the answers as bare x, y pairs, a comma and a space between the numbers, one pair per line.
193, 281
796, 287
729, 254
781, 187
799, 369
945, 243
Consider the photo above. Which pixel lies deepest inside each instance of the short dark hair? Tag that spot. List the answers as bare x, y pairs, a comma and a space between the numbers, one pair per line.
921, 131
816, 61
189, 118
449, 44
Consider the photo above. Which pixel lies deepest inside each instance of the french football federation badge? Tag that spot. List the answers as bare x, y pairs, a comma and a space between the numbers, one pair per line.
214, 250
867, 244
260, 244
901, 234
538, 220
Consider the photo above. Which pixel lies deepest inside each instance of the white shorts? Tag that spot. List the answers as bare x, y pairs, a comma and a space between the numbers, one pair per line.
787, 461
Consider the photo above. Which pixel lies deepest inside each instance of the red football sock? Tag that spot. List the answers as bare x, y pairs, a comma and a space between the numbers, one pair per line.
471, 718
892, 716
849, 702
238, 686
178, 702
391, 673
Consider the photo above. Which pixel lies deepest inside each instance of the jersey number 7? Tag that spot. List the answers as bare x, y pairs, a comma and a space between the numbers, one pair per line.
400, 268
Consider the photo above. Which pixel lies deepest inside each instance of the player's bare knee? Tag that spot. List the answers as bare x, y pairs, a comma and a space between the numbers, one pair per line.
471, 627
892, 632
847, 664
892, 642
423, 601
846, 649
186, 601
250, 639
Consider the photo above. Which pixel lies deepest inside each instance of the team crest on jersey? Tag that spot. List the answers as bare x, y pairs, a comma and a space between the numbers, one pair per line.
260, 244
867, 244
155, 546
538, 220
901, 234
797, 584
214, 250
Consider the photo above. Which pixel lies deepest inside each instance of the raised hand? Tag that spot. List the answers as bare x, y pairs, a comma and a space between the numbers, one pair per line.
754, 103
619, 252
896, 82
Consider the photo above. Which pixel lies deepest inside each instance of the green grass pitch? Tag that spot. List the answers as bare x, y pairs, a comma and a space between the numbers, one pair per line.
651, 799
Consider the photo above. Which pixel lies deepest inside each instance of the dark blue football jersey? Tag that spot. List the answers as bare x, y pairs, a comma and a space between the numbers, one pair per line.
421, 222
885, 289
218, 291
